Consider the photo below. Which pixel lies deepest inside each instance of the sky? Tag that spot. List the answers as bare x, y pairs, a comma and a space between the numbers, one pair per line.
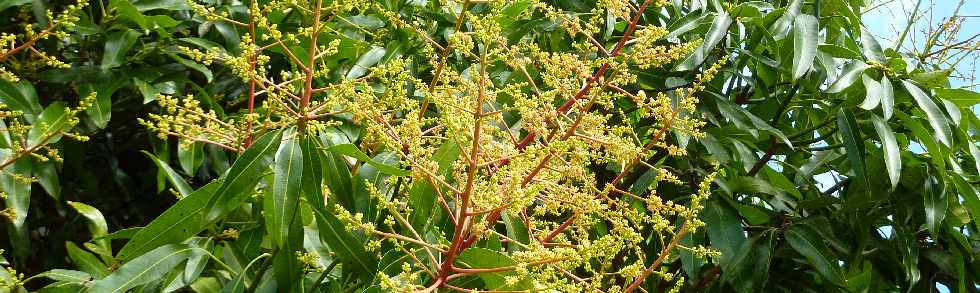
887, 18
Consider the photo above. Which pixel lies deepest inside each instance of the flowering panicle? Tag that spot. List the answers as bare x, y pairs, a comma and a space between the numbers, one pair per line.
532, 131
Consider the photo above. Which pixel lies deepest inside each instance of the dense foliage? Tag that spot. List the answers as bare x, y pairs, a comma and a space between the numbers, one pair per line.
400, 145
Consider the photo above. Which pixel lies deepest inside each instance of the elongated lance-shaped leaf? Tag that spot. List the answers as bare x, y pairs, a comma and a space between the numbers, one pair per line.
935, 116
719, 28
144, 269
850, 74
49, 125
280, 208
853, 143
237, 184
86, 261
176, 224
870, 47
95, 222
347, 247
811, 246
893, 158
351, 150
178, 182
872, 95
804, 44
887, 97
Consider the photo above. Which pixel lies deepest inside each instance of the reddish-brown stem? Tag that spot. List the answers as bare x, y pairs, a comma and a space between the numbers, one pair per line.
595, 77
308, 84
442, 59
660, 259
251, 81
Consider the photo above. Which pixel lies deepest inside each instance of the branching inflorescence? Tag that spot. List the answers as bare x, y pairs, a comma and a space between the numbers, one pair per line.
529, 145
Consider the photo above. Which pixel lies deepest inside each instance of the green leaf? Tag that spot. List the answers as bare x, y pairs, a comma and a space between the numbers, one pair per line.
850, 74
870, 48
69, 276
18, 200
782, 26
194, 65
482, 258
351, 150
49, 125
191, 158
47, 176
838, 51
423, 193
935, 204
178, 182
935, 116
724, 229
887, 97
718, 30
347, 247
370, 58
893, 158
812, 247
20, 96
853, 143
116, 46
969, 195
925, 138
85, 261
243, 176
176, 224
873, 93
149, 267
960, 97
94, 220
804, 44
280, 208
933, 79
101, 110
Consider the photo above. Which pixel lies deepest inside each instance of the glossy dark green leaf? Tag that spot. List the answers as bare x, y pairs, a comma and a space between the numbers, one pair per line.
178, 182
94, 220
718, 30
937, 119
887, 97
176, 224
870, 48
238, 182
365, 62
873, 93
893, 154
191, 158
351, 150
805, 40
935, 203
724, 230
850, 74
116, 46
49, 125
481, 258
86, 261
280, 208
815, 251
144, 269
20, 96
853, 143
969, 195
66, 276
347, 247
960, 97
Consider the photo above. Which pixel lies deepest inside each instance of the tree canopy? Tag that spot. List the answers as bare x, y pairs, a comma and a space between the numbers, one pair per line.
482, 145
